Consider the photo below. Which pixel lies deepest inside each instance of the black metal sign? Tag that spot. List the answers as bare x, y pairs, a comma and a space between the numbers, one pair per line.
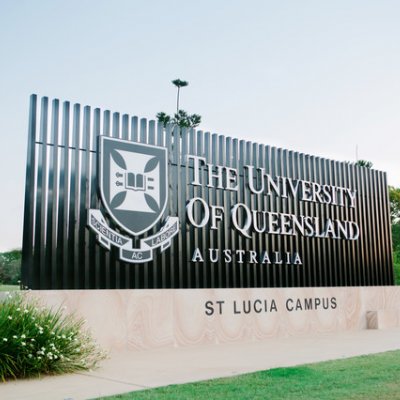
122, 203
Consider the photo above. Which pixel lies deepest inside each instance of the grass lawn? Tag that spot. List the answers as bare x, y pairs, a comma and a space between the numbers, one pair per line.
367, 377
8, 288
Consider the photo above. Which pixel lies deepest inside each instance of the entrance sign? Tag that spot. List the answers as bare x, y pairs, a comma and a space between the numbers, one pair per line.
117, 202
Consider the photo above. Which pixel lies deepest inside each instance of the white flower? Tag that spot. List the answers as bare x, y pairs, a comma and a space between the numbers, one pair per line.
18, 309
9, 317
33, 340
30, 356
15, 337
39, 358
23, 343
26, 311
23, 336
63, 336
5, 339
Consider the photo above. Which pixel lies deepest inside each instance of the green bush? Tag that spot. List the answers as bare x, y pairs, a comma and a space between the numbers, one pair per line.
396, 263
35, 340
10, 267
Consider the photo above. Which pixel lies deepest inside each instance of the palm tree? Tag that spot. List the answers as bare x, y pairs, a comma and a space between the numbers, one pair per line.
179, 83
364, 163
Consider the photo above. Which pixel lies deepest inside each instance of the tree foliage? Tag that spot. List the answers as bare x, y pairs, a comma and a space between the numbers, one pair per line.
10, 267
181, 118
394, 198
364, 163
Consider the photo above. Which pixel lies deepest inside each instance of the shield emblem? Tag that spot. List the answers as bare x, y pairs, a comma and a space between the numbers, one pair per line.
133, 183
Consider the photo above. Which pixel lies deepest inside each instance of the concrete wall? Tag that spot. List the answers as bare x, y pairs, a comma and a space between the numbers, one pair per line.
148, 319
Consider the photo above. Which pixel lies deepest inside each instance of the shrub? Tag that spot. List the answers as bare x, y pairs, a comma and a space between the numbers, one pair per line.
10, 267
35, 340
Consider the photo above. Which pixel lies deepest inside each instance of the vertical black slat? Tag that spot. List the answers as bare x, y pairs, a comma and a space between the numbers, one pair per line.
342, 243
160, 257
344, 216
336, 263
125, 127
252, 269
64, 201
201, 147
203, 237
225, 223
367, 243
270, 206
241, 242
248, 243
311, 274
27, 241
353, 259
286, 269
115, 265
325, 173
86, 172
189, 191
96, 252
374, 227
234, 200
378, 261
124, 266
74, 221
359, 213
134, 132
256, 204
368, 220
275, 239
96, 264
168, 272
180, 144
220, 232
322, 269
176, 271
266, 204
152, 267
41, 195
106, 259
350, 217
372, 232
305, 241
290, 209
298, 241
212, 199
141, 270
52, 207
349, 244
331, 247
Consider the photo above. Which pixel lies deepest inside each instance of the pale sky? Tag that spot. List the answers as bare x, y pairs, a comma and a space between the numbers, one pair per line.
320, 77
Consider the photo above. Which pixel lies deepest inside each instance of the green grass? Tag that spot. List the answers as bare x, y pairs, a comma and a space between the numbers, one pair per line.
8, 288
367, 377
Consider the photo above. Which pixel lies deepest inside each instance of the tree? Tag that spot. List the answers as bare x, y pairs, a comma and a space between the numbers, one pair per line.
179, 83
181, 118
364, 163
394, 198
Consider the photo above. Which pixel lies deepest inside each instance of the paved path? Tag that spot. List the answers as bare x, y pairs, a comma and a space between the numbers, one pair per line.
128, 371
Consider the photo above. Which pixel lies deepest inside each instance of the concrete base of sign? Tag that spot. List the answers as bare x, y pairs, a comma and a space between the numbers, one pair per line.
154, 319
383, 319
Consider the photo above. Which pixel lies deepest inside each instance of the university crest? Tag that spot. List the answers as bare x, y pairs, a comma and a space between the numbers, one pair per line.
133, 186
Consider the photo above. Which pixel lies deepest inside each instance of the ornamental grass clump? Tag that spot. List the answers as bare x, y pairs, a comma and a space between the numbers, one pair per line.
35, 340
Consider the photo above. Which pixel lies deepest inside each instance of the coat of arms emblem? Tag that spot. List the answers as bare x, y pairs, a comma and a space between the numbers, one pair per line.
133, 186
